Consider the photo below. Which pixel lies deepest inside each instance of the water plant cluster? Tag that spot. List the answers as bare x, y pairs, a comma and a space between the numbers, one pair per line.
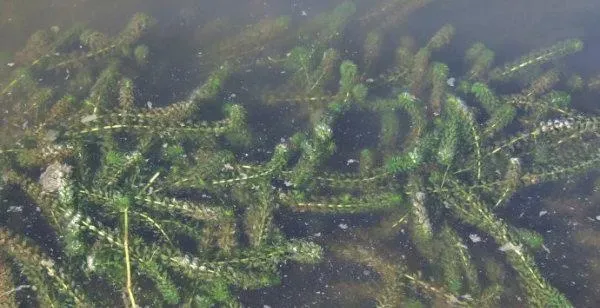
110, 200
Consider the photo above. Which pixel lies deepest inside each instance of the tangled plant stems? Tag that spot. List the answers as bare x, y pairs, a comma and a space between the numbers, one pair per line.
160, 206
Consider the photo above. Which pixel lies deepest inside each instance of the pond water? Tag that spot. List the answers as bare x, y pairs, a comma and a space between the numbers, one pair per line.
372, 256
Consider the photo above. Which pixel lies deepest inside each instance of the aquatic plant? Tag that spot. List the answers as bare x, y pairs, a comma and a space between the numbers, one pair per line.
110, 177
172, 205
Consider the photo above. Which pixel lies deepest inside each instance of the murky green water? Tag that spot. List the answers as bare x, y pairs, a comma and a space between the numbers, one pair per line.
301, 166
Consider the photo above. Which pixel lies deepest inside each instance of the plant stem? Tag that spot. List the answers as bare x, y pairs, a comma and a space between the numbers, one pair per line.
127, 262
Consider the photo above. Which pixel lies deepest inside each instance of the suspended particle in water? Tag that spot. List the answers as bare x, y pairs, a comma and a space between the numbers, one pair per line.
475, 238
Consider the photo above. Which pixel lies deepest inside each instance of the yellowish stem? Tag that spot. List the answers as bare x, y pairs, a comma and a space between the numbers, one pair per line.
127, 262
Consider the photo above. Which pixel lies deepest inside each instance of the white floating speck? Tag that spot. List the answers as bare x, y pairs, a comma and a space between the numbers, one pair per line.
149, 104
598, 217
451, 81
542, 213
475, 238
343, 226
14, 209
10, 64
351, 161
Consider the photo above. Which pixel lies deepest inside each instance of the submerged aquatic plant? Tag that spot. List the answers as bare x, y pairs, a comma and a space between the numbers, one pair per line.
163, 206
134, 198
